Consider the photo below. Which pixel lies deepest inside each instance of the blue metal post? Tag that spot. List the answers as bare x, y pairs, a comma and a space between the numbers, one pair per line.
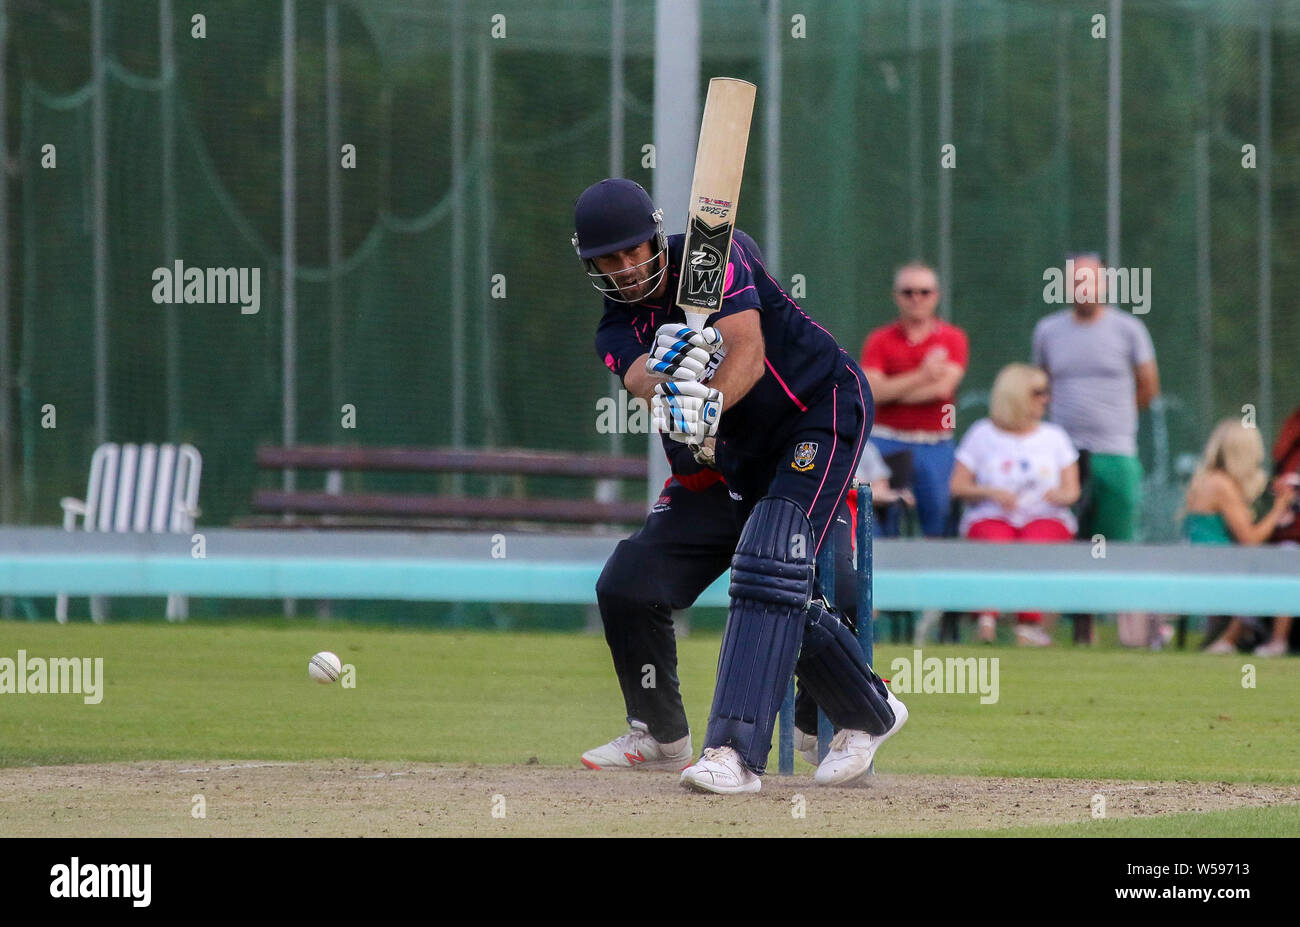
866, 609
866, 628
826, 578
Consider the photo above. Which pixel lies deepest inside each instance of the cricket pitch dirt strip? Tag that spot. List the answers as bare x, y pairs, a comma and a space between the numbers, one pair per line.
329, 799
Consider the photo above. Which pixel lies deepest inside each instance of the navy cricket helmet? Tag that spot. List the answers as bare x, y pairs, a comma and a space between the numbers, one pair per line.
610, 216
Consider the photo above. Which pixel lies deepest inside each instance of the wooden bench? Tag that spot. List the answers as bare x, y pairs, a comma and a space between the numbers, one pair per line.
334, 507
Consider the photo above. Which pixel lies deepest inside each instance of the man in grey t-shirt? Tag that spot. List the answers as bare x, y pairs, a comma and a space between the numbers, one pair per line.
1102, 368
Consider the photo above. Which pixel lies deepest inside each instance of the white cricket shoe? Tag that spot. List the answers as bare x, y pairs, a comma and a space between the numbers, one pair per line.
721, 770
1028, 635
806, 745
1272, 649
638, 750
851, 752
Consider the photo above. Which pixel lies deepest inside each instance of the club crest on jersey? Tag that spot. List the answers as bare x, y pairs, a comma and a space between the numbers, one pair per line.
805, 452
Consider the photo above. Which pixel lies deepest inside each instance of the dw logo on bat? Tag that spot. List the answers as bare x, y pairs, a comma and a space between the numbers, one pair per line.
704, 258
706, 271
704, 262
805, 452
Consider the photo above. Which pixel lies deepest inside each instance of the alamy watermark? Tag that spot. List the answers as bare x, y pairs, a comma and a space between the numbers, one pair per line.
949, 676
76, 879
1087, 284
624, 414
53, 676
208, 286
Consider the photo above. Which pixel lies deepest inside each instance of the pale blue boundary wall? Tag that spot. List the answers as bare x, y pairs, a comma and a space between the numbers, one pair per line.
562, 569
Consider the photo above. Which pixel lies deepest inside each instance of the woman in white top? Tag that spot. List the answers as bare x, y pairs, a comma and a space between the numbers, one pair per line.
1018, 477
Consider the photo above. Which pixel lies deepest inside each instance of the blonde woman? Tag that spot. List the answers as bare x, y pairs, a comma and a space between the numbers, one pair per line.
1018, 477
1219, 500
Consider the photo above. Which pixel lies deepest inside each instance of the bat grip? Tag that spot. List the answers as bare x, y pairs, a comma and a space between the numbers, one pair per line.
696, 321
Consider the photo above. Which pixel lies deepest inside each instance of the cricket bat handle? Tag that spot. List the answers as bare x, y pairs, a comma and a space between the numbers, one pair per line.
696, 321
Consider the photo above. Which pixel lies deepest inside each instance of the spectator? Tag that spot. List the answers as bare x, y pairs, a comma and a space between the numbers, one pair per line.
1218, 511
1018, 477
914, 366
1286, 462
873, 469
1102, 368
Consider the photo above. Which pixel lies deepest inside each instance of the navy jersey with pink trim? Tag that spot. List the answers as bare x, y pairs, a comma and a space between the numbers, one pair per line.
802, 360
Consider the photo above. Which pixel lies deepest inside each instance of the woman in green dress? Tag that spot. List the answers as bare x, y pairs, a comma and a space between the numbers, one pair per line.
1219, 505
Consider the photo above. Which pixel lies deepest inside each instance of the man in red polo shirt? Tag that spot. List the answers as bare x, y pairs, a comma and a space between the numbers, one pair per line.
914, 366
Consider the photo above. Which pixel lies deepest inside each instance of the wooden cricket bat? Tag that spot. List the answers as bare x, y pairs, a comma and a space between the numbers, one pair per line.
715, 193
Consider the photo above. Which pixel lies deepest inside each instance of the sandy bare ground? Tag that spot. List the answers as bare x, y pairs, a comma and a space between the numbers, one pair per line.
351, 799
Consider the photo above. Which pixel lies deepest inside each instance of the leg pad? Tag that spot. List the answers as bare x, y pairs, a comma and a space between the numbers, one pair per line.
771, 585
833, 671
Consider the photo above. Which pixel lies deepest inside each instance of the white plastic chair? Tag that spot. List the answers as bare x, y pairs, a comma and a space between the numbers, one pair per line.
136, 488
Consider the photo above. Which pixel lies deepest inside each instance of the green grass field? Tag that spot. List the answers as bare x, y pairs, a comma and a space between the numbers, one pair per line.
1277, 821
240, 691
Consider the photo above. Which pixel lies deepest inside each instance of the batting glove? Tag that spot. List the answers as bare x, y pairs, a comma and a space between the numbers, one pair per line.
706, 453
682, 353
686, 411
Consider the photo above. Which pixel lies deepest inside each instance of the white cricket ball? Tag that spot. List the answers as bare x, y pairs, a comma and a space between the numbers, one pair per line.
325, 667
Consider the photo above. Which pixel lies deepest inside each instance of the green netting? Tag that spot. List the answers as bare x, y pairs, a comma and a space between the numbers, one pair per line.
470, 150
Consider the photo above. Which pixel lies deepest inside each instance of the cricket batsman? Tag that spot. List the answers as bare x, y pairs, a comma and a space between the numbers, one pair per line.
765, 398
